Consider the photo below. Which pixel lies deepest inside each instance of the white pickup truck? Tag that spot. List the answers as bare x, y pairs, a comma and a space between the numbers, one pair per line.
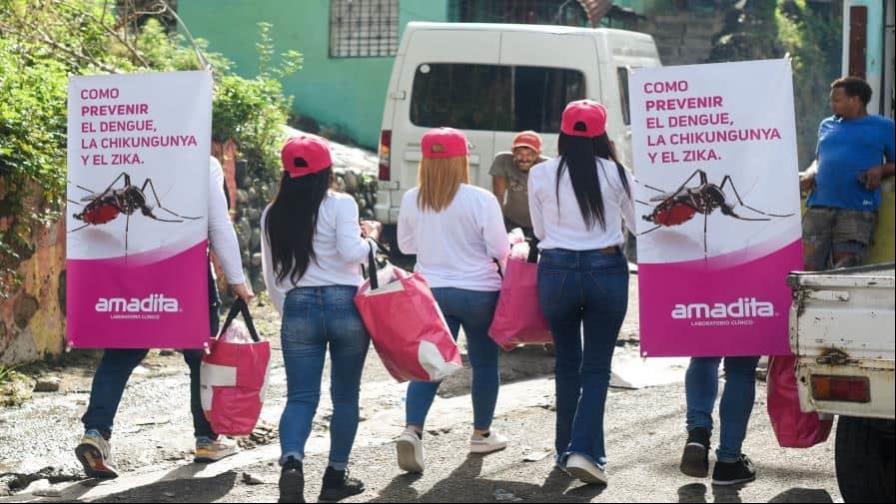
842, 331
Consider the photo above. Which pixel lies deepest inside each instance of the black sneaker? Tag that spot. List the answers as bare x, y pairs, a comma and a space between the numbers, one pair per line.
732, 473
695, 459
338, 485
292, 482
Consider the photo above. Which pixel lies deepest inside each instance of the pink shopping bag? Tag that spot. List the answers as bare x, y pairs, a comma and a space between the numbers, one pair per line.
518, 319
406, 325
234, 377
793, 427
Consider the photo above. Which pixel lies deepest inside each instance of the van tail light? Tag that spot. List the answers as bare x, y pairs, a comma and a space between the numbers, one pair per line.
841, 388
385, 172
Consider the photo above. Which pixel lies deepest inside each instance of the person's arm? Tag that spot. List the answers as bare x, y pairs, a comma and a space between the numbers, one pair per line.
407, 225
807, 178
874, 176
267, 267
535, 208
222, 236
349, 243
496, 242
499, 188
498, 172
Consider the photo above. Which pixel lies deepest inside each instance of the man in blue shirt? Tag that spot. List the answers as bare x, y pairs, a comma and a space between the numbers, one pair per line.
855, 151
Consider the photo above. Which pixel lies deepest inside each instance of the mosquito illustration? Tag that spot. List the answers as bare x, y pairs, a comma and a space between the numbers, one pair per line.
681, 205
106, 206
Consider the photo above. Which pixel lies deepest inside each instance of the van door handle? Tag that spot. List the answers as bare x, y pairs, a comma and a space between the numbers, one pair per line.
398, 95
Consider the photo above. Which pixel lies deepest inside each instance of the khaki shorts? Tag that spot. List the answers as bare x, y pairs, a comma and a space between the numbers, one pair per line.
833, 231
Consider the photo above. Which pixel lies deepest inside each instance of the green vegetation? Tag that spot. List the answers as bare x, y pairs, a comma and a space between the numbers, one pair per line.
810, 34
43, 42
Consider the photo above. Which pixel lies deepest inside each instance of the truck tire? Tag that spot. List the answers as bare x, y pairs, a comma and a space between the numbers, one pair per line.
864, 459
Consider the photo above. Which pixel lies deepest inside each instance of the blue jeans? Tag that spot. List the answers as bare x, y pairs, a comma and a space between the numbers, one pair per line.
579, 289
702, 387
112, 376
474, 311
313, 319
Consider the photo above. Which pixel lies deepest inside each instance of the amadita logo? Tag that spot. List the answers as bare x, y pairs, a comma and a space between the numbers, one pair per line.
742, 308
154, 303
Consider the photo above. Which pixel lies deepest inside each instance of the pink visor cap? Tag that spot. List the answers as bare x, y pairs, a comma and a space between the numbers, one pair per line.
305, 155
441, 143
588, 112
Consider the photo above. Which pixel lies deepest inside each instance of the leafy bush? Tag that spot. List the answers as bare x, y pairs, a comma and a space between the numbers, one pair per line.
42, 42
810, 35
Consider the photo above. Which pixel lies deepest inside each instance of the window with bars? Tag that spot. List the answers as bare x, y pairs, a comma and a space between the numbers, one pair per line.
363, 28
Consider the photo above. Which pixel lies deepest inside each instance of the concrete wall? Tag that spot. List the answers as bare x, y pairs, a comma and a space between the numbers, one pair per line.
32, 320
683, 37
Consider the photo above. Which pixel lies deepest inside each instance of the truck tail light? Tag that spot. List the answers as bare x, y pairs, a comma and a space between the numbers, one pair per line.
841, 388
385, 172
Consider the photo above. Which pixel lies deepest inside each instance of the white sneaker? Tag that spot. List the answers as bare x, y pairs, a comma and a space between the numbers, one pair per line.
410, 451
494, 442
95, 452
212, 450
585, 470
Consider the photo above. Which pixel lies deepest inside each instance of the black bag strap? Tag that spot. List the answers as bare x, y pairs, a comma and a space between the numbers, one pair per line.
533, 250
371, 268
240, 307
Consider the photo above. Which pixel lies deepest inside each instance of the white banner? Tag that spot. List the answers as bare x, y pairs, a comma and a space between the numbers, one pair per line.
718, 206
138, 158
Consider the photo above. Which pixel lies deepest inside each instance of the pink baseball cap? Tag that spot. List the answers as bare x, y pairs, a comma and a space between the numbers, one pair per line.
305, 155
588, 112
528, 139
443, 143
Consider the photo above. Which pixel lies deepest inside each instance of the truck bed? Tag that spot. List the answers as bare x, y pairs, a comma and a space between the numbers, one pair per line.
842, 323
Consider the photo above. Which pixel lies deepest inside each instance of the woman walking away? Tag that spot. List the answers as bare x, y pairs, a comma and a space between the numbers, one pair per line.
457, 232
577, 201
311, 256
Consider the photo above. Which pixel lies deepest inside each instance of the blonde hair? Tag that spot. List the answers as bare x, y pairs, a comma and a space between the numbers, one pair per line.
439, 179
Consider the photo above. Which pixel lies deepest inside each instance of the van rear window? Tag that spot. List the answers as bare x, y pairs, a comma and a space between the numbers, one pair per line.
493, 97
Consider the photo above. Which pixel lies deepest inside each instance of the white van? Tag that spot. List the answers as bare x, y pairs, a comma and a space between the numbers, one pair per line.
494, 80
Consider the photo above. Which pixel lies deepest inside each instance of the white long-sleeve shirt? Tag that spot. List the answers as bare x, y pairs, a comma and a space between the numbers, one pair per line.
558, 222
221, 236
339, 250
456, 247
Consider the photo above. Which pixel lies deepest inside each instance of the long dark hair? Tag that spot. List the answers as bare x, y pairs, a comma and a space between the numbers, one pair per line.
292, 220
577, 154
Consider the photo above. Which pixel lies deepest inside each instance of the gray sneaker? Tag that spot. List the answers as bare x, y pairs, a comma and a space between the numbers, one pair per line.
212, 450
94, 452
